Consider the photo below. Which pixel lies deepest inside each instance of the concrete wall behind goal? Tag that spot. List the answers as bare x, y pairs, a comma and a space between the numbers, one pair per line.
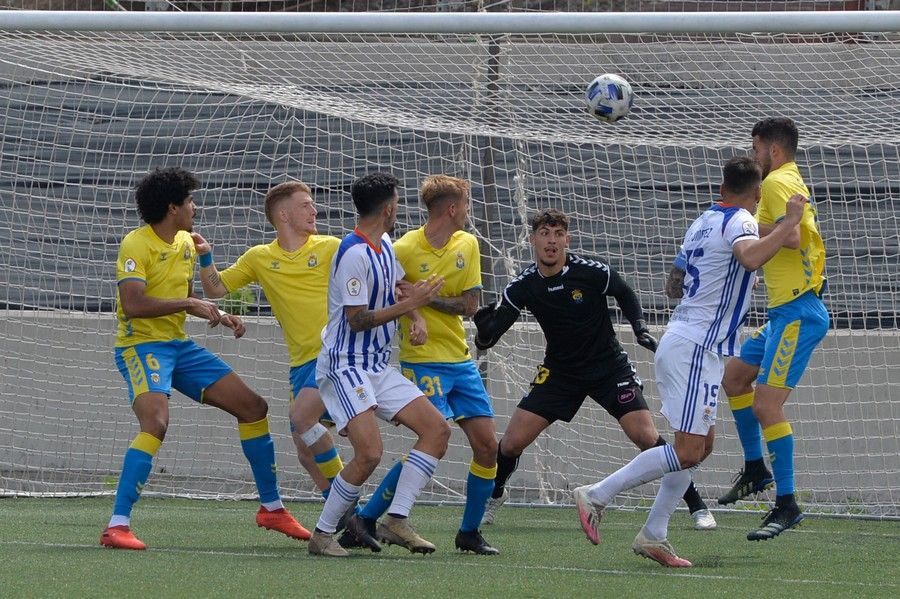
65, 420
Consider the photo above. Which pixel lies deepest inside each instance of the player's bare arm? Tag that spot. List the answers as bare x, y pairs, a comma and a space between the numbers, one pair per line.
752, 254
137, 304
417, 295
675, 283
209, 275
792, 240
459, 305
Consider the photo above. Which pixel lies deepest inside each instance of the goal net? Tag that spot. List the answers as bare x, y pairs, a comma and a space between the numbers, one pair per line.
85, 114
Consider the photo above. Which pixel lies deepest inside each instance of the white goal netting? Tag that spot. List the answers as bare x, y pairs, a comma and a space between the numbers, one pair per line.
85, 115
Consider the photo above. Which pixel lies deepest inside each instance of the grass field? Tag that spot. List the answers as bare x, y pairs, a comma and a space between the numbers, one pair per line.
48, 548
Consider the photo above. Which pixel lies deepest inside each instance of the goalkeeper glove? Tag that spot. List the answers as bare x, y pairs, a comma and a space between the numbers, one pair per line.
482, 320
642, 335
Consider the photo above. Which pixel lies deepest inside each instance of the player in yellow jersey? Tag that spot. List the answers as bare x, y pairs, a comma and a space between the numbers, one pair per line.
293, 272
154, 272
442, 367
777, 354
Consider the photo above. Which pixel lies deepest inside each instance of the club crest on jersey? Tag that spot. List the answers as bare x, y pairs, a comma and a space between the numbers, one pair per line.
577, 296
707, 416
163, 256
186, 253
460, 261
129, 265
354, 287
423, 267
154, 377
276, 265
312, 261
361, 394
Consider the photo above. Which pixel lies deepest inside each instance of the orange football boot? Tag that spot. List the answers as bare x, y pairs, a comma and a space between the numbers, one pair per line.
121, 537
282, 521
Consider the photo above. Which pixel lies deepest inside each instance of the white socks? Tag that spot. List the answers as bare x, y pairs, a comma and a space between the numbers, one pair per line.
340, 498
645, 467
671, 489
417, 471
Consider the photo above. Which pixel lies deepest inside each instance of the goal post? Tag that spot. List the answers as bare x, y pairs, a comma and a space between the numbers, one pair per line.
92, 101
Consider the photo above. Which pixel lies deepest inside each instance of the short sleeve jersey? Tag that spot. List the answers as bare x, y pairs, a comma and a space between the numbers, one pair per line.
572, 311
717, 288
791, 273
167, 269
459, 263
296, 285
363, 273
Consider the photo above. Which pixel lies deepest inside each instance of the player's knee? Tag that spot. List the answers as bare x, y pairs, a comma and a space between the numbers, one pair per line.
368, 458
256, 407
440, 437
688, 457
155, 426
484, 449
511, 447
737, 380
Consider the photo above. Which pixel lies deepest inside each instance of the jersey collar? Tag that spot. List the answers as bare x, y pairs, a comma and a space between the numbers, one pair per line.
361, 235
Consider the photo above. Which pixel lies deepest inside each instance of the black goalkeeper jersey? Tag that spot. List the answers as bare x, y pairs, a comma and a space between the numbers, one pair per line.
573, 312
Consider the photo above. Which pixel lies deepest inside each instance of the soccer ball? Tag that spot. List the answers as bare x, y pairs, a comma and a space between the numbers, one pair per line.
609, 98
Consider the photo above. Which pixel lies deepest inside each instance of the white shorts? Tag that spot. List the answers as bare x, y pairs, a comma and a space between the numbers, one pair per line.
351, 391
688, 377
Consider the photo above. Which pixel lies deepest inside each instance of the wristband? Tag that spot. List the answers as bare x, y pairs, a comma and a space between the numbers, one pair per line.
206, 260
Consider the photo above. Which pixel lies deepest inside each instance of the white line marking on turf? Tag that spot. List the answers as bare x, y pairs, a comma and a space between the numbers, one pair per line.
431, 560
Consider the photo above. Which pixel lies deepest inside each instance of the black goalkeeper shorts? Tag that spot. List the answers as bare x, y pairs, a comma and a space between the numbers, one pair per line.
556, 396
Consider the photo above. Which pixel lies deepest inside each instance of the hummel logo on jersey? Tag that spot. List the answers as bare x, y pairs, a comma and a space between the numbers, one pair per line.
557, 288
276, 265
423, 267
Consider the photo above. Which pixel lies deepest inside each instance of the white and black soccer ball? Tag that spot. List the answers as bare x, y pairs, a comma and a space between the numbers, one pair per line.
609, 98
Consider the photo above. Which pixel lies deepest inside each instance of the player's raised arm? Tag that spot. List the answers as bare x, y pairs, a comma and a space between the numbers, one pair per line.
675, 278
213, 287
753, 253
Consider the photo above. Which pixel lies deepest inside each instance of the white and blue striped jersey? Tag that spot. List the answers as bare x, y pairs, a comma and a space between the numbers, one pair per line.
362, 274
716, 287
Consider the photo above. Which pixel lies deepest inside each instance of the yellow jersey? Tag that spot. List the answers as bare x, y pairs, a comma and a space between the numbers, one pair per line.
167, 269
791, 273
459, 262
296, 285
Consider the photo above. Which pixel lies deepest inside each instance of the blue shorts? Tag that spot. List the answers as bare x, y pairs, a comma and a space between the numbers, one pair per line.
159, 366
456, 390
302, 377
782, 347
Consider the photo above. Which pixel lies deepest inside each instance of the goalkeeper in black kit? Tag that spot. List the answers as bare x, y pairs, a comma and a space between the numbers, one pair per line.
567, 294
